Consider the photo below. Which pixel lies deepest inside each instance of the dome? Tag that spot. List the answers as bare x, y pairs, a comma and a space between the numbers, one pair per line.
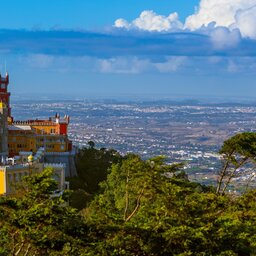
30, 158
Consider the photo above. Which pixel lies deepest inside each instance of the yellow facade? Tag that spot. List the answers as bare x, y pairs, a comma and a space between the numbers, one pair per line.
32, 134
2, 182
10, 176
45, 128
31, 142
13, 174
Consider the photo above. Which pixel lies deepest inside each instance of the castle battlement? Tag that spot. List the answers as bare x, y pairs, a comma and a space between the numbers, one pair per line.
55, 166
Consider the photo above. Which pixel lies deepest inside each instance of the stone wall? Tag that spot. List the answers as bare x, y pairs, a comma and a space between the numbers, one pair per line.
67, 158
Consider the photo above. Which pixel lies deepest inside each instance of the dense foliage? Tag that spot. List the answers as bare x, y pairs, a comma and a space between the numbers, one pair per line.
140, 207
92, 167
150, 208
34, 222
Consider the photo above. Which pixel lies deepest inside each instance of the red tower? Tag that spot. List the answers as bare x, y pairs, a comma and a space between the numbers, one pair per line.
4, 94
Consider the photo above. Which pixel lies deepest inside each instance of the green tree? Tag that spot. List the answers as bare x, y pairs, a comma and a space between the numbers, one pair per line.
91, 144
236, 152
92, 167
148, 207
144, 207
35, 222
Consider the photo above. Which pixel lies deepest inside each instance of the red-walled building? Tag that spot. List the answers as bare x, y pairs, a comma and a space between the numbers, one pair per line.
30, 135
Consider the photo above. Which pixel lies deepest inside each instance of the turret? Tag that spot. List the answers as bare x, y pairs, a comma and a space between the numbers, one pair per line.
4, 94
4, 81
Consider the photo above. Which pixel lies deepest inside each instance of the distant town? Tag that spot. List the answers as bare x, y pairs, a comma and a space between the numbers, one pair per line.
190, 132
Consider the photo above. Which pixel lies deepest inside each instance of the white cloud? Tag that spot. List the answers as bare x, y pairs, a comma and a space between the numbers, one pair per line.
185, 65
134, 65
246, 22
222, 37
38, 60
233, 14
242, 65
124, 65
232, 67
150, 21
171, 65
121, 23
222, 12
61, 64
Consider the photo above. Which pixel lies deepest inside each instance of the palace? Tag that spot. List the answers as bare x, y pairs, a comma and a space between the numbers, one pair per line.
31, 145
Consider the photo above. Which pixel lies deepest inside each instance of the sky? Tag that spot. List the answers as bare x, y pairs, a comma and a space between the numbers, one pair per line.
146, 48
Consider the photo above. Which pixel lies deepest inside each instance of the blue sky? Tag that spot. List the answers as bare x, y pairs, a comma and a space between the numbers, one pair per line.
83, 13
141, 48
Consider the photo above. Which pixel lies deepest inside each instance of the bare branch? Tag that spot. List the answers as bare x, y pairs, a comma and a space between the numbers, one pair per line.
126, 194
19, 250
137, 205
222, 175
232, 174
27, 250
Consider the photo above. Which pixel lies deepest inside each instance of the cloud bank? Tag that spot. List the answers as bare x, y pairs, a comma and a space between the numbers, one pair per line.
133, 52
219, 37
153, 45
231, 14
245, 21
150, 21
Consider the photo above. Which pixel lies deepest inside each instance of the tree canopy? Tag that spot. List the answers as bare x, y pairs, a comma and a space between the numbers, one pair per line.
150, 208
237, 151
137, 207
34, 222
92, 167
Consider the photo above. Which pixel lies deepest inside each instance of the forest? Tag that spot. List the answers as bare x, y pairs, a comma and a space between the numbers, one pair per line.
126, 205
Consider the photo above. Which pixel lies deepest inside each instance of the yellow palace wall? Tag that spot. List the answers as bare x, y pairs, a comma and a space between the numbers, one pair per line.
14, 174
2, 182
29, 142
